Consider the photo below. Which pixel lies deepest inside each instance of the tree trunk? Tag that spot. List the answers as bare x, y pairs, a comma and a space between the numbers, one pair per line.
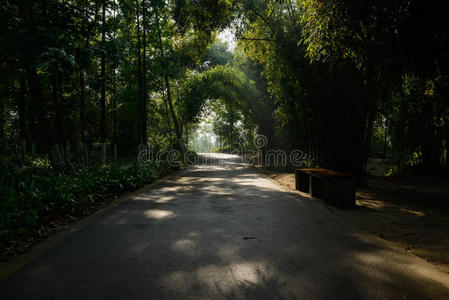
172, 110
232, 131
114, 96
82, 117
58, 110
385, 142
447, 146
167, 115
82, 108
103, 77
22, 109
3, 97
114, 107
167, 83
39, 124
144, 79
139, 78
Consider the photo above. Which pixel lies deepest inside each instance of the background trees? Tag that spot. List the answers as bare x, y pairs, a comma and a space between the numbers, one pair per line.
86, 83
400, 47
319, 75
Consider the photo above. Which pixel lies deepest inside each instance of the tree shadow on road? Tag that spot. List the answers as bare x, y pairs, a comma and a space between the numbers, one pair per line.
212, 233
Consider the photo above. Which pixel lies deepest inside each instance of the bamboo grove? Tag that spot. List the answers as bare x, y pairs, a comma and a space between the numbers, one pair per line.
337, 79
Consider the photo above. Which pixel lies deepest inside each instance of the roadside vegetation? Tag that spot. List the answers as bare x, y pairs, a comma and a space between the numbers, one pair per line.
35, 196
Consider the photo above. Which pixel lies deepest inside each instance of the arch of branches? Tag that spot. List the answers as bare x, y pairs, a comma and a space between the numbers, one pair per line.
226, 83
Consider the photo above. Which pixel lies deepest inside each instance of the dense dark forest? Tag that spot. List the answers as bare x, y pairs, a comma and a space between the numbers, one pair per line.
86, 84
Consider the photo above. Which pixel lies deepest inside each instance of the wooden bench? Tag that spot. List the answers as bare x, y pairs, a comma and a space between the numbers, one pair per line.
333, 187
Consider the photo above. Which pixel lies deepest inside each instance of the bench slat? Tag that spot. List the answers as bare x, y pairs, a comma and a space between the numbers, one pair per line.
324, 173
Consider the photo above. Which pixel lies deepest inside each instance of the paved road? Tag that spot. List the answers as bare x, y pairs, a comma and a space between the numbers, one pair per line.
223, 232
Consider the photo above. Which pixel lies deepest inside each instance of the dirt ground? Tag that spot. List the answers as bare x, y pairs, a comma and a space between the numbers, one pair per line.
404, 219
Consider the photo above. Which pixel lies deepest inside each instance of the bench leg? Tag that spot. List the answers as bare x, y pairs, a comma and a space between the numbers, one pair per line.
301, 181
316, 187
340, 193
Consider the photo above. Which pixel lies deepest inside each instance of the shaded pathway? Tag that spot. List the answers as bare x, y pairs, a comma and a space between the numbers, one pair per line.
222, 231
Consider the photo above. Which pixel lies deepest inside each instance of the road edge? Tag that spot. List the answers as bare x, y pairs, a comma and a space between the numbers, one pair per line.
14, 265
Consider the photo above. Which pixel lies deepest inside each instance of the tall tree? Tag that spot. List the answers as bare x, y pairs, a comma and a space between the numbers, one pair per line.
144, 74
139, 76
167, 79
103, 75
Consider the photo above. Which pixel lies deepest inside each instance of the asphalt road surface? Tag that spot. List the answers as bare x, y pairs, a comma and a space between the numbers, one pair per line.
223, 231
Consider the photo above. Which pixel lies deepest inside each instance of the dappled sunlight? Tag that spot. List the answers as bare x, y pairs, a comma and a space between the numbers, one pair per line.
185, 246
217, 190
429, 273
368, 258
143, 198
155, 198
369, 201
155, 149
414, 212
380, 261
232, 275
223, 234
193, 234
181, 187
218, 280
159, 214
164, 199
256, 182
248, 271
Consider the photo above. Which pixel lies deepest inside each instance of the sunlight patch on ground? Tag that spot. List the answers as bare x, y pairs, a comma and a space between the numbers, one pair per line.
430, 273
219, 279
413, 212
159, 214
186, 246
256, 182
140, 198
369, 258
232, 275
171, 189
193, 234
164, 199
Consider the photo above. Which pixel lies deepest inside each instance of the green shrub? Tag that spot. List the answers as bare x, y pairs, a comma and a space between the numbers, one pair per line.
33, 193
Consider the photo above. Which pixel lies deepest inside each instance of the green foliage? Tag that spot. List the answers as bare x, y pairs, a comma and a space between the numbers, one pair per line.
220, 82
419, 121
203, 17
334, 67
383, 37
216, 54
33, 194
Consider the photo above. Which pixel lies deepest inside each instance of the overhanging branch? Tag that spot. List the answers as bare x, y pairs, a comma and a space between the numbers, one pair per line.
256, 39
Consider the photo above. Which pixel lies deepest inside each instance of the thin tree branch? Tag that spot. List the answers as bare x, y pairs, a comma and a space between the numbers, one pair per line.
257, 39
